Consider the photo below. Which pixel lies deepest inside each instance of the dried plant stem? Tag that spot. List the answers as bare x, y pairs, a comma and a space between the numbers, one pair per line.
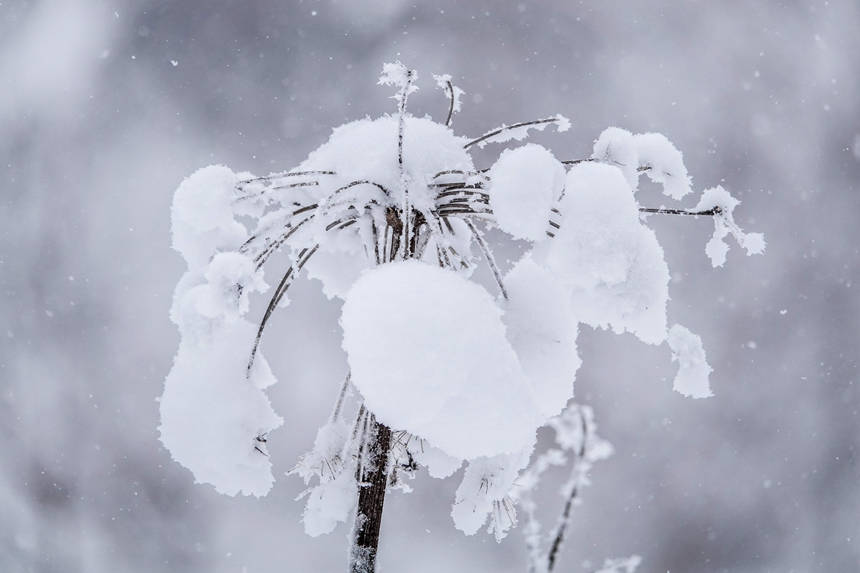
504, 128
449, 87
564, 520
373, 483
488, 255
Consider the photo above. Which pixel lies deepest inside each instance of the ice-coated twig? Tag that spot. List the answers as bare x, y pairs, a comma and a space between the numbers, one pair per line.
282, 174
453, 92
664, 211
518, 130
285, 283
488, 256
338, 405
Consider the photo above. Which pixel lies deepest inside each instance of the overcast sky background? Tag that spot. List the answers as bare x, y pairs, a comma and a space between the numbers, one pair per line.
106, 105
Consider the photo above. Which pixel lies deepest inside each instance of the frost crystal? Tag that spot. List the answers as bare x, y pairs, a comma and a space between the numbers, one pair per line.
443, 81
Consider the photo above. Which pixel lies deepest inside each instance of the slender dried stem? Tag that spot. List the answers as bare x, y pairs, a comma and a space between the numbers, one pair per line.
452, 98
287, 279
564, 520
488, 256
505, 128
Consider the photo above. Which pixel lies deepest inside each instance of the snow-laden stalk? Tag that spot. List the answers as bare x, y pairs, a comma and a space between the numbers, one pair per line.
387, 215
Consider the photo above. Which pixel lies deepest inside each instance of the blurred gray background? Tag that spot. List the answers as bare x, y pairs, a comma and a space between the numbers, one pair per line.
106, 105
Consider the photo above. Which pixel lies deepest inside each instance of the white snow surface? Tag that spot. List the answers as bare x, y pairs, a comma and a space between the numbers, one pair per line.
213, 409
211, 414
692, 379
724, 225
329, 503
439, 464
611, 263
398, 75
443, 81
542, 329
366, 150
510, 133
428, 352
664, 163
524, 184
652, 152
487, 482
202, 215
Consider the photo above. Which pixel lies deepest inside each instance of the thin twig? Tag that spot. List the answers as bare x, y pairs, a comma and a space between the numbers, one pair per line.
662, 211
488, 256
271, 176
450, 88
564, 520
335, 414
504, 128
294, 269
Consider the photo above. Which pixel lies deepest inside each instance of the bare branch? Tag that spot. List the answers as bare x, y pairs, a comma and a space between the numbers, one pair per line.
450, 90
662, 211
488, 256
564, 520
504, 128
287, 279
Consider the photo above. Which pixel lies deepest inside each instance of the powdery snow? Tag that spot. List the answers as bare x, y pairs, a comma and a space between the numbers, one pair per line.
328, 504
202, 215
611, 263
484, 492
664, 164
524, 184
366, 150
518, 132
694, 371
651, 153
542, 329
443, 81
214, 413
724, 224
428, 352
439, 464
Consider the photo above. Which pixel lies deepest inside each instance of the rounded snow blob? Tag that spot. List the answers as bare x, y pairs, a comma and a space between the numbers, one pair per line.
428, 352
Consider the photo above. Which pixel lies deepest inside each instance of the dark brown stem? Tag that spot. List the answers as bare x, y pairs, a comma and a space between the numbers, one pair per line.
373, 483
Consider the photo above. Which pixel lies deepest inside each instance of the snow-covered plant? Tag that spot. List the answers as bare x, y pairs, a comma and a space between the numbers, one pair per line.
390, 214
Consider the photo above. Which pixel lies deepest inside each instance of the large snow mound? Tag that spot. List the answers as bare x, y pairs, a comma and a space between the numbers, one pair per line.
212, 414
366, 150
428, 352
524, 184
611, 262
542, 329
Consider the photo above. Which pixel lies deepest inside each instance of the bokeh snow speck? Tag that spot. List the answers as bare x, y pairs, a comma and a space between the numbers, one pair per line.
98, 128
